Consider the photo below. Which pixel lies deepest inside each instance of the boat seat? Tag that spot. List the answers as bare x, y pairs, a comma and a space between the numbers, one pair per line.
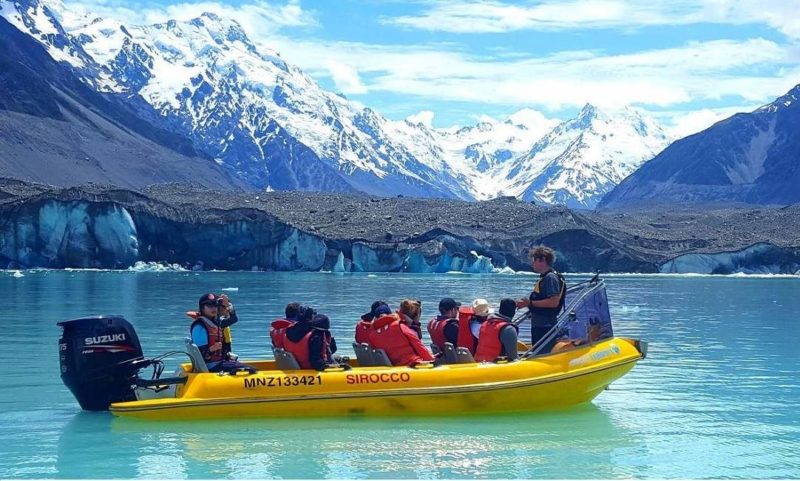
463, 356
363, 354
457, 355
198, 363
450, 353
380, 358
285, 361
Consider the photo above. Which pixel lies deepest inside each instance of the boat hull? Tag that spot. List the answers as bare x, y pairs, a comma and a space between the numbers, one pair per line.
546, 382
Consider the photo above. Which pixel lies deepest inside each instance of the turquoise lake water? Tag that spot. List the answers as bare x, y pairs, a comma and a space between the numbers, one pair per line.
718, 395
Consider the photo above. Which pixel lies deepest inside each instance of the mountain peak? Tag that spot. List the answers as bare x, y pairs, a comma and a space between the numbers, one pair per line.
790, 99
211, 16
588, 110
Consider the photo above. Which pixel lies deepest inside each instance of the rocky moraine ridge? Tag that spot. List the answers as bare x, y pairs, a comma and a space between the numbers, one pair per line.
108, 227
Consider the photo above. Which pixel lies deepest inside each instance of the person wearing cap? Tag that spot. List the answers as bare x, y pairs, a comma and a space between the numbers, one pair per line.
444, 327
498, 335
310, 341
398, 341
364, 324
211, 329
547, 297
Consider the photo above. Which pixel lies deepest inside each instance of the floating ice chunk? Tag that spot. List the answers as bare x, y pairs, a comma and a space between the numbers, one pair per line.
478, 264
230, 289
141, 266
17, 274
505, 270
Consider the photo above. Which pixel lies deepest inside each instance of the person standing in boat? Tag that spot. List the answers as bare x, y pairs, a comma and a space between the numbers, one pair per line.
211, 330
498, 336
547, 297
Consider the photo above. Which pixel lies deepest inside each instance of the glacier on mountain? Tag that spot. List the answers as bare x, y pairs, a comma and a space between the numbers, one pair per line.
271, 125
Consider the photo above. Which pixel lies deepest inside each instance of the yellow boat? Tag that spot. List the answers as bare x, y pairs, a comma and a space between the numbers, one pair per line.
101, 359
551, 381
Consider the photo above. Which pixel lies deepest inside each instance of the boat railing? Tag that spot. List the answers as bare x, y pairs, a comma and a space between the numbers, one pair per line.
575, 296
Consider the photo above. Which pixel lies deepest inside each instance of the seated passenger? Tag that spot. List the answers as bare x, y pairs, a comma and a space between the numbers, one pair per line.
409, 313
210, 332
399, 341
498, 336
444, 327
278, 326
365, 323
480, 311
310, 340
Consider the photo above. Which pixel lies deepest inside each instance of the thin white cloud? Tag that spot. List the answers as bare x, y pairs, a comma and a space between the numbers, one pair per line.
424, 117
257, 17
534, 120
753, 70
346, 78
485, 16
682, 124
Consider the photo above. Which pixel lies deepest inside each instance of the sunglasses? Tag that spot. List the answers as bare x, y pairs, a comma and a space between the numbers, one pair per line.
538, 258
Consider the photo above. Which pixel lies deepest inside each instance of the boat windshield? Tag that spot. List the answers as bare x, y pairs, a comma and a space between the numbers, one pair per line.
585, 318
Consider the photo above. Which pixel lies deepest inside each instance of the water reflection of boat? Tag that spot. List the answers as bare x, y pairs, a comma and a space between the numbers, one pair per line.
101, 357
582, 440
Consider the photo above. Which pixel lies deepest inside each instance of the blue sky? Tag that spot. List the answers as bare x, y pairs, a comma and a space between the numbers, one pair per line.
688, 63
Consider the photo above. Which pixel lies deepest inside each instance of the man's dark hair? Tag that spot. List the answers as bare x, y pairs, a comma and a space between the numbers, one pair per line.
292, 309
542, 252
305, 314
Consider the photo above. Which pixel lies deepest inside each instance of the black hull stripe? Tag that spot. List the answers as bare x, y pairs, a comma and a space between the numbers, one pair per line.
371, 394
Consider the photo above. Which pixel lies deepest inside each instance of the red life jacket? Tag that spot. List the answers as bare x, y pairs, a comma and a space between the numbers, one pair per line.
277, 330
489, 345
465, 337
215, 335
362, 331
436, 328
300, 349
399, 341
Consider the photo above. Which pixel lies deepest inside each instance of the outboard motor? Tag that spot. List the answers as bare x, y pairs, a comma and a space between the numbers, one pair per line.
100, 357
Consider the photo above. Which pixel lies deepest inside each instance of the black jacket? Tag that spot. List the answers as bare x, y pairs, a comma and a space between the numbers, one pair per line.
319, 328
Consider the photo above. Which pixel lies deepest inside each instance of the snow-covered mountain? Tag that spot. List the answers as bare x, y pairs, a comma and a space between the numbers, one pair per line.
582, 159
751, 158
271, 125
257, 115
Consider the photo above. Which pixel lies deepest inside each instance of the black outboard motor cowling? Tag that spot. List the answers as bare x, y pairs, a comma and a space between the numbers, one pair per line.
100, 357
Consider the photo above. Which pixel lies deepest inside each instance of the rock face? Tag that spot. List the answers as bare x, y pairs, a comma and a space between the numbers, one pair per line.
752, 158
106, 227
56, 129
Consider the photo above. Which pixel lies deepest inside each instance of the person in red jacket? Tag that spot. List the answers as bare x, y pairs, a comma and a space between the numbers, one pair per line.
498, 335
399, 341
409, 313
364, 324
